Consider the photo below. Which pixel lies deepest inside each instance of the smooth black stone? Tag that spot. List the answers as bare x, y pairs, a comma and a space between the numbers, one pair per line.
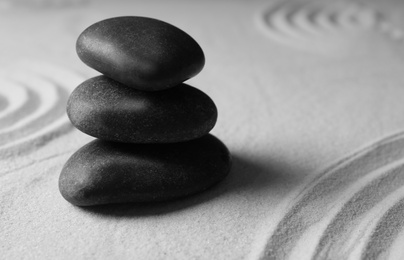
143, 53
103, 172
106, 109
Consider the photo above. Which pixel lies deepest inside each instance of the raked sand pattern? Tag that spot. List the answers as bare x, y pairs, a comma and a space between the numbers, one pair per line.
33, 100
354, 210
317, 24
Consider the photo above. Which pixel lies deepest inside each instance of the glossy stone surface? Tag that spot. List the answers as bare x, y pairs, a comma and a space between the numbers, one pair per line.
106, 109
143, 53
104, 172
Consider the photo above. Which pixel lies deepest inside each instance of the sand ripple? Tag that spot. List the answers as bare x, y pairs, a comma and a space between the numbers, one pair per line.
33, 99
300, 23
353, 210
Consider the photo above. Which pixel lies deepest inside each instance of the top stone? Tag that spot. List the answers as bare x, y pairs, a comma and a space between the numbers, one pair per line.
143, 53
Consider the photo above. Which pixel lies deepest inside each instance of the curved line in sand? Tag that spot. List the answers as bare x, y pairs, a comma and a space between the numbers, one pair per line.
3, 104
385, 233
352, 181
297, 22
36, 94
334, 239
15, 96
12, 118
48, 105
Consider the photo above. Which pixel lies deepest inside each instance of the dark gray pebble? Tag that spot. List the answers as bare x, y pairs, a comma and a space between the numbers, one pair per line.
106, 109
143, 53
105, 172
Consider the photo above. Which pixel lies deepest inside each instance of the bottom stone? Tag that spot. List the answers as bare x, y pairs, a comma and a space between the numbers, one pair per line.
103, 172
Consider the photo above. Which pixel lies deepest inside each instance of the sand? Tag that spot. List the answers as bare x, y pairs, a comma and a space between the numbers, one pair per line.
309, 95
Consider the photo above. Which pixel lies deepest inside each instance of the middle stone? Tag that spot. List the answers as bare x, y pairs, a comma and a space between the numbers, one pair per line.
109, 110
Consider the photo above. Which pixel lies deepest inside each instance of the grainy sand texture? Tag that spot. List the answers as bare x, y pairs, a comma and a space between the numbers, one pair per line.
310, 104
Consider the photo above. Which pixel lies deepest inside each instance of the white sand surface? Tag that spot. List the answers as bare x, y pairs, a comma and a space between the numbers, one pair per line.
310, 99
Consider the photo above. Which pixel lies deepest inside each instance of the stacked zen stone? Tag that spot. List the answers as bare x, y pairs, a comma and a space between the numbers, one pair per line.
153, 142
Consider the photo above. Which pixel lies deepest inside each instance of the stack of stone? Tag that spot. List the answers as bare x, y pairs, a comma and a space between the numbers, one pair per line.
153, 130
